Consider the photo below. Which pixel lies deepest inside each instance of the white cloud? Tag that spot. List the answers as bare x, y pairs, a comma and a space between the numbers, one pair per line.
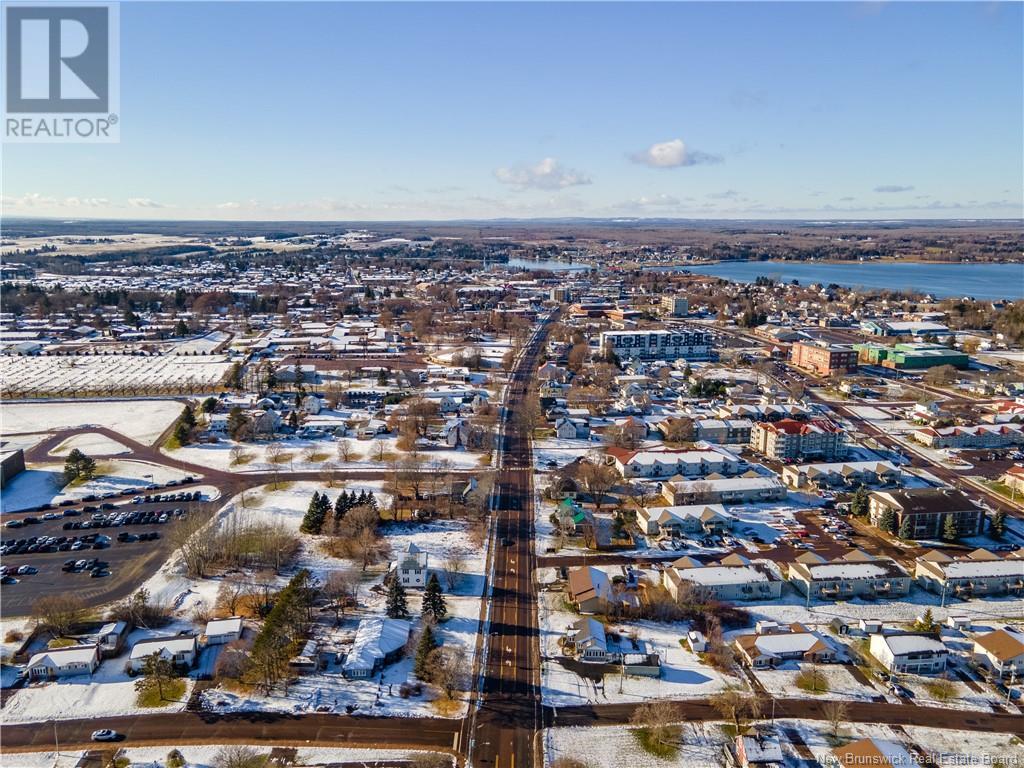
893, 188
547, 174
143, 202
672, 154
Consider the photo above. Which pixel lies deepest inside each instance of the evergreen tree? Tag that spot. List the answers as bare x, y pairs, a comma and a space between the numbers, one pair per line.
397, 607
341, 506
859, 504
313, 520
997, 525
906, 529
182, 433
293, 419
949, 529
926, 623
434, 608
426, 646
888, 521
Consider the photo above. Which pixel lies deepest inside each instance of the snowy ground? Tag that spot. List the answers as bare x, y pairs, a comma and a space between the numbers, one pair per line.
682, 675
561, 451
615, 747
297, 455
142, 420
841, 684
43, 482
202, 756
91, 444
87, 374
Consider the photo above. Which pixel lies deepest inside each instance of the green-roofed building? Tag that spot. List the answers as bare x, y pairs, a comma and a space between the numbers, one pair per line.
910, 356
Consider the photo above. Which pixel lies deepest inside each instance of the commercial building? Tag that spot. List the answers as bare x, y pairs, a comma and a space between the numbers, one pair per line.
790, 439
855, 574
690, 344
911, 356
822, 358
927, 509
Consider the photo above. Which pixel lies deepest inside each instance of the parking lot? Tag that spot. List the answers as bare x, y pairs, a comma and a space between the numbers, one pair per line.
129, 541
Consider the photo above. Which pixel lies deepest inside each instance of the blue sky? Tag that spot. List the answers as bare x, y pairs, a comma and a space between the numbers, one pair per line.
390, 111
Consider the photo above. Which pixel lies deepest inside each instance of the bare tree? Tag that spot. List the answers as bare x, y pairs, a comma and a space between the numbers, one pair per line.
836, 712
58, 613
454, 566
195, 547
661, 721
274, 452
598, 479
736, 706
449, 666
236, 454
339, 588
346, 451
231, 592
377, 449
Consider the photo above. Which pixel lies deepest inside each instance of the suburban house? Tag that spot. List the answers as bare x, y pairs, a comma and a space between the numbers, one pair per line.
111, 638
848, 474
790, 439
308, 657
979, 436
660, 463
732, 578
413, 569
676, 522
551, 372
1001, 652
855, 574
909, 653
586, 639
568, 428
874, 752
180, 651
455, 432
591, 590
927, 509
223, 631
378, 641
749, 487
979, 573
781, 644
64, 662
1013, 479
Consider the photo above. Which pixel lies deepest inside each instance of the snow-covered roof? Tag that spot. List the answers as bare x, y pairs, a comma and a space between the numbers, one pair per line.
230, 626
58, 657
162, 645
900, 645
717, 575
375, 638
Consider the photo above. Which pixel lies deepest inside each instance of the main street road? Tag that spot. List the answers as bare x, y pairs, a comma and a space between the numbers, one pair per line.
505, 716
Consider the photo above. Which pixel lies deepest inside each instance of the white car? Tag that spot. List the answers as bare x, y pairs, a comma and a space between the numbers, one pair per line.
104, 734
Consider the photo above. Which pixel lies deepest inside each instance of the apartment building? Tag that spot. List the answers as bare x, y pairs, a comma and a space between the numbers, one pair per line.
748, 488
849, 474
790, 439
927, 510
855, 574
675, 522
981, 573
979, 436
690, 344
731, 578
723, 431
823, 359
909, 653
674, 306
669, 463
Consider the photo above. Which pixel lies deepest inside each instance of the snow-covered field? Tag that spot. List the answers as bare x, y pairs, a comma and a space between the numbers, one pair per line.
841, 683
561, 451
682, 674
142, 420
615, 747
91, 444
96, 374
43, 482
297, 455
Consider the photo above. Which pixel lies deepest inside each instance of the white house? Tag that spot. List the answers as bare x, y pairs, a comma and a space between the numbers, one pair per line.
1001, 652
64, 662
413, 569
792, 643
586, 639
572, 429
223, 631
180, 651
909, 653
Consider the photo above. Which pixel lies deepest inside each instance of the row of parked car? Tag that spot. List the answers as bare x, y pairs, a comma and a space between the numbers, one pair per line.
44, 544
118, 519
97, 569
116, 494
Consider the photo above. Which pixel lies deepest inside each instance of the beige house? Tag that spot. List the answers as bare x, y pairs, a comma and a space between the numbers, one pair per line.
1001, 652
981, 573
731, 578
855, 574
